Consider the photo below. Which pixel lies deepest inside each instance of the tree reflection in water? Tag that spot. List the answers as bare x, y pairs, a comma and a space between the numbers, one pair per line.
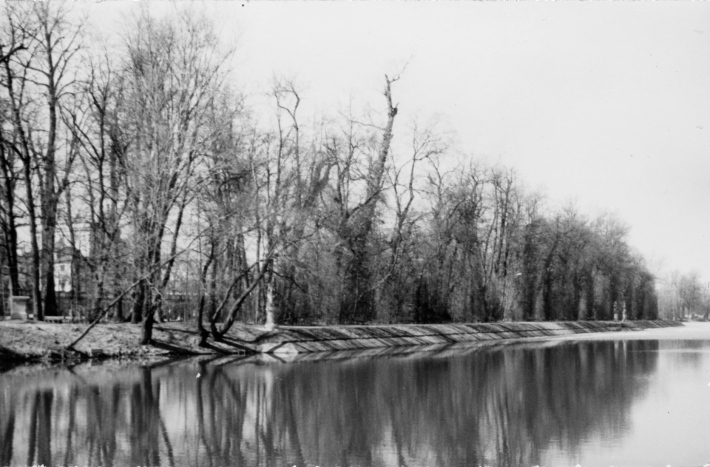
501, 406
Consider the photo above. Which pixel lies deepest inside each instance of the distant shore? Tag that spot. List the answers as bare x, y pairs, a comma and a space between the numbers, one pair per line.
36, 341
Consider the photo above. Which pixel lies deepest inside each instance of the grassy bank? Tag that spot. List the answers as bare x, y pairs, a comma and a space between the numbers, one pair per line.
31, 340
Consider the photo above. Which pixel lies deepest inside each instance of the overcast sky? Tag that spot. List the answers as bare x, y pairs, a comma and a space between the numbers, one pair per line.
603, 103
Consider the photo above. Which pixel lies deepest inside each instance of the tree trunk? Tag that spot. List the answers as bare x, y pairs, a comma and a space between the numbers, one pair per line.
9, 224
148, 321
48, 199
24, 154
36, 291
270, 307
237, 306
138, 301
200, 309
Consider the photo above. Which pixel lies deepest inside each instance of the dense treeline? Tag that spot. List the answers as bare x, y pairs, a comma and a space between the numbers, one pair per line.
159, 180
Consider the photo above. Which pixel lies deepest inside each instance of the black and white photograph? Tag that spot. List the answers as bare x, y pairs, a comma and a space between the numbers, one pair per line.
354, 233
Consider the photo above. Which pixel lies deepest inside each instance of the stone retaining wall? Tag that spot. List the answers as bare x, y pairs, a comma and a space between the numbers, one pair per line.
295, 340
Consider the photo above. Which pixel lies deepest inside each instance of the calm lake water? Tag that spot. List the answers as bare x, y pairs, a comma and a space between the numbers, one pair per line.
634, 399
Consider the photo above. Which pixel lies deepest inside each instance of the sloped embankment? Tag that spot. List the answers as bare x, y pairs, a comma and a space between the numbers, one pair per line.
294, 340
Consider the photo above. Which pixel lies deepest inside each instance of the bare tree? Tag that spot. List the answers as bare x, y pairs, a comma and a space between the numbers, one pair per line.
37, 81
11, 176
405, 255
355, 213
173, 70
289, 177
8, 158
95, 121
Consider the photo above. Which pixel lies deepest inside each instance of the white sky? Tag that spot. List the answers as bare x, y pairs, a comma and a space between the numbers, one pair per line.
603, 103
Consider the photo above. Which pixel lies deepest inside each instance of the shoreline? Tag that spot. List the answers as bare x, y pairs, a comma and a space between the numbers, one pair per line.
27, 341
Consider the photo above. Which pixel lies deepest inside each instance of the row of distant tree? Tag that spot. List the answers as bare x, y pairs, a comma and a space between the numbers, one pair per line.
354, 217
683, 296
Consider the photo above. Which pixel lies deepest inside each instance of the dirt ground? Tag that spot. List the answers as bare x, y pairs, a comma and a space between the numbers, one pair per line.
33, 340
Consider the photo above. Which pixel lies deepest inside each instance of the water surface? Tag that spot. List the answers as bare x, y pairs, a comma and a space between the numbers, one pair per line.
621, 399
